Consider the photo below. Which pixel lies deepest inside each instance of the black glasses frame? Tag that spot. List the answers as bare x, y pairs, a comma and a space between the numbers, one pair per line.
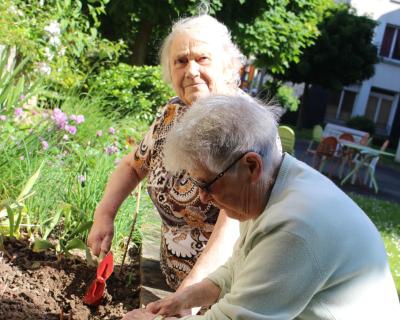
206, 187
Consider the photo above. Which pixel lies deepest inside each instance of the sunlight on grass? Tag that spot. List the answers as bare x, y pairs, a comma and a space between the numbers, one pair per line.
386, 217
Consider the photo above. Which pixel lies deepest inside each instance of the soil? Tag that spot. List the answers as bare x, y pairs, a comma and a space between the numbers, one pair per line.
36, 286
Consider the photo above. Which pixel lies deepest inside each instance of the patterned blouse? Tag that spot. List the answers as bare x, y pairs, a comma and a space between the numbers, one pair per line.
187, 223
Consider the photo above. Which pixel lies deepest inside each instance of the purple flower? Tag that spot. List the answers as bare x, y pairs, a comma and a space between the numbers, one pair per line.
21, 97
70, 129
81, 178
77, 118
60, 118
111, 130
18, 112
99, 133
80, 118
117, 161
45, 145
110, 150
3, 117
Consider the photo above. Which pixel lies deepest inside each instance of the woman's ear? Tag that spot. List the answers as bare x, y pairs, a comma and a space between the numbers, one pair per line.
254, 164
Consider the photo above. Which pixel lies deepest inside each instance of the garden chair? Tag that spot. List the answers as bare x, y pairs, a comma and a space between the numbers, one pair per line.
325, 151
370, 167
287, 136
316, 138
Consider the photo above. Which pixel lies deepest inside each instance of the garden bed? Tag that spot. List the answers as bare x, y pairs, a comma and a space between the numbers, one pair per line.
37, 286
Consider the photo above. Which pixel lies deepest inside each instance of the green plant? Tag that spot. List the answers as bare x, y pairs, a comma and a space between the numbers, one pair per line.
131, 91
362, 123
15, 210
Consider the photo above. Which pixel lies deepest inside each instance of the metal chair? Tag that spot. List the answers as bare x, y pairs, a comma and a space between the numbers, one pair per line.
287, 136
316, 138
325, 151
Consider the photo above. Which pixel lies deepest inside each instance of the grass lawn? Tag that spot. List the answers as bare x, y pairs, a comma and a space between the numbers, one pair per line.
386, 217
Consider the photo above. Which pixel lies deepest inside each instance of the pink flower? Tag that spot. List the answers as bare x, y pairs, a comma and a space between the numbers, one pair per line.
70, 129
110, 150
3, 117
18, 112
80, 118
117, 161
60, 118
21, 97
99, 133
81, 178
45, 145
111, 130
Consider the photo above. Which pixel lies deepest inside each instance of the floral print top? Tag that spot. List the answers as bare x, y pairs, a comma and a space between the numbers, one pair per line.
187, 223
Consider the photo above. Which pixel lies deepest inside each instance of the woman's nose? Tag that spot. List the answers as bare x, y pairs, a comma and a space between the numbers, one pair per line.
193, 69
205, 197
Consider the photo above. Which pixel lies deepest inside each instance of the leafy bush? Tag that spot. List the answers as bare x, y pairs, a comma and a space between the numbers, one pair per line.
61, 41
131, 90
362, 123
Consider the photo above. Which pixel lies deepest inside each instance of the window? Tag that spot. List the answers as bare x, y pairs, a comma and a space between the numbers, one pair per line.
340, 105
390, 46
379, 109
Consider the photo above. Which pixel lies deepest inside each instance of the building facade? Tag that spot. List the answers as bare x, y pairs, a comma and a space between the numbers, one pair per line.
378, 97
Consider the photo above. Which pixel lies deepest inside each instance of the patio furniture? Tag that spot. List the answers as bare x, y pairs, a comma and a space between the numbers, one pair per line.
325, 151
287, 136
366, 157
316, 138
335, 130
344, 154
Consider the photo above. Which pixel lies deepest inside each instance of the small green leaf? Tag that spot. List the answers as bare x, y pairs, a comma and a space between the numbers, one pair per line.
42, 245
28, 186
75, 243
10, 215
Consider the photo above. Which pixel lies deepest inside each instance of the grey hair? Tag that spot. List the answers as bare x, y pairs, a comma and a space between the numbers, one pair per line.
217, 129
214, 31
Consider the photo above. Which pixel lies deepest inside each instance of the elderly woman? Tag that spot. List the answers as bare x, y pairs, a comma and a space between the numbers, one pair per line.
305, 251
197, 58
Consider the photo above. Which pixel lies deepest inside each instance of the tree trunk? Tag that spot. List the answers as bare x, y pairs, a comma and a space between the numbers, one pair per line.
300, 115
139, 48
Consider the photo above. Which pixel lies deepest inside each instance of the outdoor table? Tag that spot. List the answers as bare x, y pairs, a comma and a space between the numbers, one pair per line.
366, 154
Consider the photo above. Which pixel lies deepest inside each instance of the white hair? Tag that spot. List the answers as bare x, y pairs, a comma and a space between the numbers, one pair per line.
217, 129
213, 31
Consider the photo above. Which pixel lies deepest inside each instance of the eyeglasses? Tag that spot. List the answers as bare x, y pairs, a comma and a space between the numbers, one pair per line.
206, 187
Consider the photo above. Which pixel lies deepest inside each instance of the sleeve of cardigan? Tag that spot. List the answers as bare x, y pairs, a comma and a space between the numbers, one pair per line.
276, 281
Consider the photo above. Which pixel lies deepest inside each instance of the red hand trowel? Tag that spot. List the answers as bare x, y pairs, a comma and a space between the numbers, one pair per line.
95, 292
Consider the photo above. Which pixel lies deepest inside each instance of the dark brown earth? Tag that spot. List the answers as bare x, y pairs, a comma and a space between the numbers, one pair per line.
36, 286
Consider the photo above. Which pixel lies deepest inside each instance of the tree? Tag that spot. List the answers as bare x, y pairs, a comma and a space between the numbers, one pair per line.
274, 31
343, 53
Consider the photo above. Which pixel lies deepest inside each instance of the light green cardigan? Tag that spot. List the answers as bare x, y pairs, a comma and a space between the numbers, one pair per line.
312, 254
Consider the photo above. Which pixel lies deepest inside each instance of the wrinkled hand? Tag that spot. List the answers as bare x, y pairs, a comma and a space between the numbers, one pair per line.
173, 305
139, 314
101, 233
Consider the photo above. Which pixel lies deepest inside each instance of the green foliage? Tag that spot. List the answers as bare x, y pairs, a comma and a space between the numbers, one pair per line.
343, 53
131, 91
362, 123
61, 41
280, 33
287, 98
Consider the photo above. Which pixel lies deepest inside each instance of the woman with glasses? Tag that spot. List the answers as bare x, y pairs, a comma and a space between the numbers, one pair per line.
198, 58
306, 250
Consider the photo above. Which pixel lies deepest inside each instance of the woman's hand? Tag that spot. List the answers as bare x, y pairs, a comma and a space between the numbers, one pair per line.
101, 233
